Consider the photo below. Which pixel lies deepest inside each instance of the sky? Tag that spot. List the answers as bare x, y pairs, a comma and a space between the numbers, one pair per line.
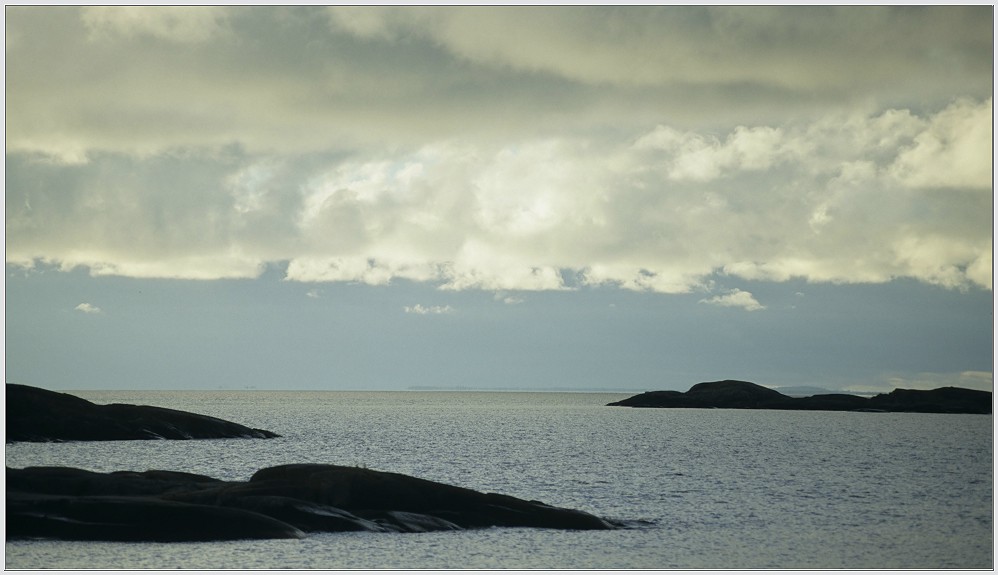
498, 197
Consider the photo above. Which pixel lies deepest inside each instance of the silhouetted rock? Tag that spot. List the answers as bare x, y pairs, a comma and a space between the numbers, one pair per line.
940, 400
35, 414
732, 394
278, 502
713, 394
831, 402
360, 490
107, 518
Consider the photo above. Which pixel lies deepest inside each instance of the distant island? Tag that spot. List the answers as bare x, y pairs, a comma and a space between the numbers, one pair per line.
40, 415
734, 394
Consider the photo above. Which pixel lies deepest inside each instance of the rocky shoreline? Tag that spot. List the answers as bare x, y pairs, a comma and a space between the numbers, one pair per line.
40, 415
734, 394
281, 502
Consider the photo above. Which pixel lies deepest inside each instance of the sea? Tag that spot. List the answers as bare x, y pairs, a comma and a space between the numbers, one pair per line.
702, 488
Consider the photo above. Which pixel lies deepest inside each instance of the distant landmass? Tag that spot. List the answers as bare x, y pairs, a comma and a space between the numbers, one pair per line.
734, 394
555, 389
40, 415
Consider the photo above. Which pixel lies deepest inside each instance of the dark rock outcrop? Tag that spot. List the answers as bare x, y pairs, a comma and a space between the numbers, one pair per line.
940, 400
732, 394
713, 394
277, 502
35, 414
362, 490
831, 402
107, 518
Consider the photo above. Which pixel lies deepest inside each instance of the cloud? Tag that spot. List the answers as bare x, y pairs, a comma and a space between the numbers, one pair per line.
735, 298
360, 269
419, 309
507, 299
285, 80
518, 217
947, 153
806, 48
181, 24
88, 308
366, 22
702, 158
649, 148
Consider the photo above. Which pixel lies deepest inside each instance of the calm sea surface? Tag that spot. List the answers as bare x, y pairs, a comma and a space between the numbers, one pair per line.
719, 488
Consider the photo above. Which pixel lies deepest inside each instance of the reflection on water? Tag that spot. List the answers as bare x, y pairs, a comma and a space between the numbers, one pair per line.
722, 488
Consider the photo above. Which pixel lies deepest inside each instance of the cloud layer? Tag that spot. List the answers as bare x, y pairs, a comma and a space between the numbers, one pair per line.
648, 148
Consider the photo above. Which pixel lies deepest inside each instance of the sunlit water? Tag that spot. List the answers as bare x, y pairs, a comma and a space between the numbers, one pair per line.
719, 488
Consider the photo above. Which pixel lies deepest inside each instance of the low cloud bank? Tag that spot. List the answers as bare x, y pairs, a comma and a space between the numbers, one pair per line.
845, 199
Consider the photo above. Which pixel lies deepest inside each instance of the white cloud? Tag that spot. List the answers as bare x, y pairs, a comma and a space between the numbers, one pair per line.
420, 309
518, 217
940, 260
88, 308
702, 158
506, 298
949, 152
667, 278
182, 24
490, 278
360, 269
735, 298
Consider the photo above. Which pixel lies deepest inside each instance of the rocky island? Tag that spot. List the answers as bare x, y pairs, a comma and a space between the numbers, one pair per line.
286, 501
733, 394
35, 414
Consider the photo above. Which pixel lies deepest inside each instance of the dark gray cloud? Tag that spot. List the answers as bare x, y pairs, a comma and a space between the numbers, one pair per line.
291, 79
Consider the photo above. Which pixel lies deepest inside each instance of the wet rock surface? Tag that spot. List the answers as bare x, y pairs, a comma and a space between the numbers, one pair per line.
278, 502
35, 414
734, 394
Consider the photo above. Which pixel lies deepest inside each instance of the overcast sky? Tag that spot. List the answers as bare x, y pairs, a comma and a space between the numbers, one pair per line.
625, 198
